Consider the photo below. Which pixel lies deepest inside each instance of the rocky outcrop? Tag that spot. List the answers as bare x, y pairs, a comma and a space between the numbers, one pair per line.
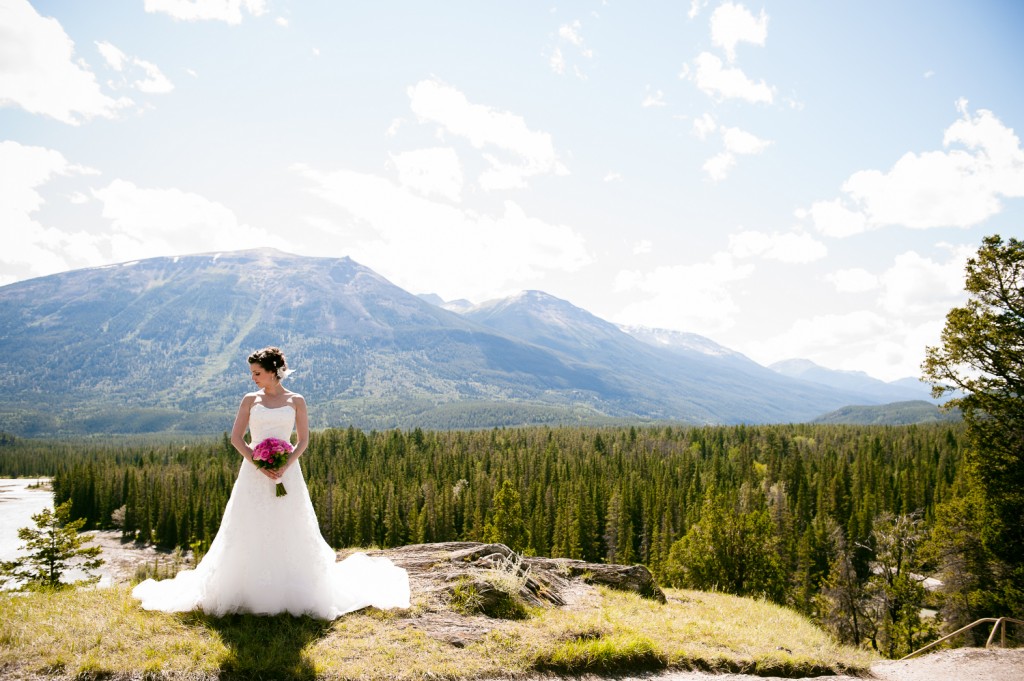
464, 589
542, 581
635, 578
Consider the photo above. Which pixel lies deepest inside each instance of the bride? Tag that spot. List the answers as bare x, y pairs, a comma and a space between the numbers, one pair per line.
268, 556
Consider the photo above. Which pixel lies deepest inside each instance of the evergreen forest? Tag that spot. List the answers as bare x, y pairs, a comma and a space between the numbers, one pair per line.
828, 519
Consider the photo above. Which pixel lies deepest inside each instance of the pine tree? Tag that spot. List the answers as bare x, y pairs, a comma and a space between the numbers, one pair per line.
53, 547
612, 528
896, 594
840, 602
980, 356
507, 526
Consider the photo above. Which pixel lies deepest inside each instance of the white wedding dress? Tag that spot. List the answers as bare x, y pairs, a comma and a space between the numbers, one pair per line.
268, 556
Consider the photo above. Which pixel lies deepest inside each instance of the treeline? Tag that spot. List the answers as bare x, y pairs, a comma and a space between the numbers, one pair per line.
624, 494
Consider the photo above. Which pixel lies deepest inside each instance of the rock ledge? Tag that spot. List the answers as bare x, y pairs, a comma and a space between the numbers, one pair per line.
500, 584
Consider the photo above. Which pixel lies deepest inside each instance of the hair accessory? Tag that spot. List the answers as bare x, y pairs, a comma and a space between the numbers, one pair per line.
283, 373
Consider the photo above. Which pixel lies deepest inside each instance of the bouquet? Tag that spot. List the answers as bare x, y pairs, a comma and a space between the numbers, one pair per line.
272, 453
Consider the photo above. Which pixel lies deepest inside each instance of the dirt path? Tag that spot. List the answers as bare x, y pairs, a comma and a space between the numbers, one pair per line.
961, 664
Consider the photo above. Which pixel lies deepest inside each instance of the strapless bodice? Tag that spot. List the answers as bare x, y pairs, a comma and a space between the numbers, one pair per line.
267, 422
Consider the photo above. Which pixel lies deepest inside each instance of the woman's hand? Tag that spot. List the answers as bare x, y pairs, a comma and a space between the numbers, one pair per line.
274, 475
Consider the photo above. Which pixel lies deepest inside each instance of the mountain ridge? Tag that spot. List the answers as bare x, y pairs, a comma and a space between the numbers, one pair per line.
873, 389
159, 345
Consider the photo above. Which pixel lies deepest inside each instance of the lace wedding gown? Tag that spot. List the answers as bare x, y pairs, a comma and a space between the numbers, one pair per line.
268, 556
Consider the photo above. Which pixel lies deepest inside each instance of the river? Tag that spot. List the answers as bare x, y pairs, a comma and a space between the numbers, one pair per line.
18, 503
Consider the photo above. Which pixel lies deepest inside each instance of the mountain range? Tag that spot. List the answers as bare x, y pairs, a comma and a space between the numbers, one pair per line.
159, 345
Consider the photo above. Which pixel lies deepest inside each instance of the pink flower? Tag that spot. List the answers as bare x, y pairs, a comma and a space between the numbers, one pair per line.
272, 453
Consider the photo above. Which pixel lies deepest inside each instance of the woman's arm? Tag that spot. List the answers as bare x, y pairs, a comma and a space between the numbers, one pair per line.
301, 428
241, 425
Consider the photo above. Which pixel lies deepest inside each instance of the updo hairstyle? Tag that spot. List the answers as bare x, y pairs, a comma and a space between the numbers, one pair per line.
271, 359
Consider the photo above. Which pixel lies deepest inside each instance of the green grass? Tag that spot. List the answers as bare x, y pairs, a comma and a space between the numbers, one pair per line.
104, 634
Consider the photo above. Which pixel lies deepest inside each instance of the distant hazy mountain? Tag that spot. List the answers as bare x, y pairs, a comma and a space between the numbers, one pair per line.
872, 390
460, 305
699, 386
686, 344
160, 345
894, 414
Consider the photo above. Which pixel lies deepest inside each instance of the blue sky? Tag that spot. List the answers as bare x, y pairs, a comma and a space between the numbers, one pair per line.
790, 179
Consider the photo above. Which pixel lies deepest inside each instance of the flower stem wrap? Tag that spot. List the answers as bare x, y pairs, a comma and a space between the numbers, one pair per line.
272, 453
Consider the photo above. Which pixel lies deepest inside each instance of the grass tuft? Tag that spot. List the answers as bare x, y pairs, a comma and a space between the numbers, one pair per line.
496, 592
619, 652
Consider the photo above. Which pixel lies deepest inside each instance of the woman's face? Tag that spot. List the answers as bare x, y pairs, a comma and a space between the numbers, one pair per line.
261, 377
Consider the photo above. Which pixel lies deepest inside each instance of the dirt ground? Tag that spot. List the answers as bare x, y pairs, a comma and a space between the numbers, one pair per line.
121, 560
961, 664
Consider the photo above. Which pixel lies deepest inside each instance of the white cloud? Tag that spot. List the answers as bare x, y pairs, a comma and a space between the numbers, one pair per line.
281, 21
721, 82
642, 247
557, 61
29, 247
431, 245
834, 330
736, 142
155, 222
933, 189
656, 98
788, 247
891, 347
152, 79
732, 24
571, 33
913, 295
742, 142
823, 338
704, 126
229, 11
25, 168
155, 81
114, 57
532, 152
916, 285
693, 298
832, 218
612, 176
696, 6
718, 166
853, 280
38, 71
961, 187
430, 171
